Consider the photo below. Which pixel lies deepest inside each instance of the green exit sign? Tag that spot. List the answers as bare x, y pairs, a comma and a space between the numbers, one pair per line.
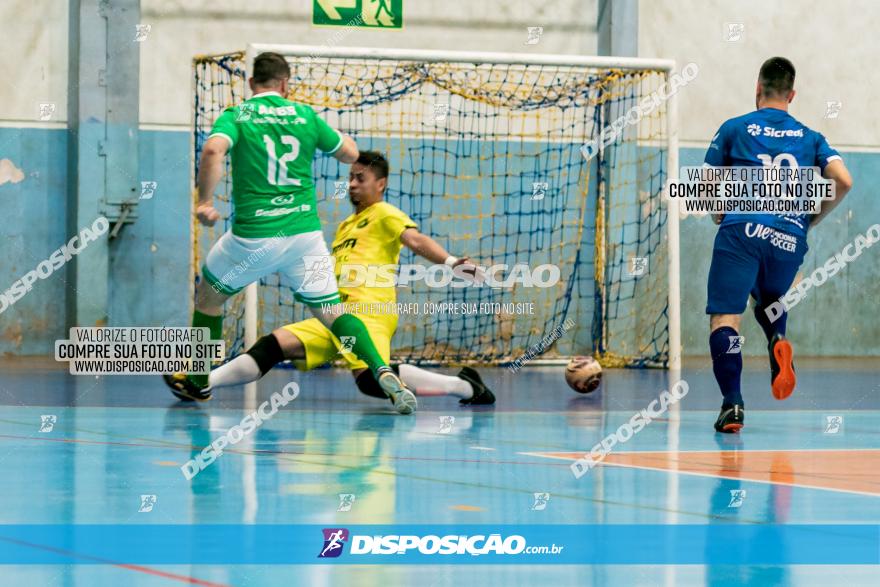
380, 14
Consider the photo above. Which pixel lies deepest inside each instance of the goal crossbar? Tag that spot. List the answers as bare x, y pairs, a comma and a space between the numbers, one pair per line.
431, 56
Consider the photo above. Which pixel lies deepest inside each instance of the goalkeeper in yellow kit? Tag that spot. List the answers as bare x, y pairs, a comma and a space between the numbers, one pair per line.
372, 236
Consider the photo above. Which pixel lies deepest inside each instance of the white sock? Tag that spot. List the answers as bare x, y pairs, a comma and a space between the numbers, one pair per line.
242, 369
428, 383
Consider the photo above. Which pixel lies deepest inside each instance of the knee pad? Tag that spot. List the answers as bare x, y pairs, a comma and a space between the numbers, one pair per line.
267, 353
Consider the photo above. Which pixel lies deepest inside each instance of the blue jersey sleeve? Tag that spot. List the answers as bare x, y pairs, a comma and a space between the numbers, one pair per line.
824, 153
717, 155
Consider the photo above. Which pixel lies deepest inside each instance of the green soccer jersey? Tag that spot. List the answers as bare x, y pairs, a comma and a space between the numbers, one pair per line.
272, 142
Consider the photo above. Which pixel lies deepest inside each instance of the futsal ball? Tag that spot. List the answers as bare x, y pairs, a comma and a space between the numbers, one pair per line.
583, 374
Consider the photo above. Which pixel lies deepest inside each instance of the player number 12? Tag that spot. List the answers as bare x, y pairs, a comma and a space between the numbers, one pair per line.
277, 169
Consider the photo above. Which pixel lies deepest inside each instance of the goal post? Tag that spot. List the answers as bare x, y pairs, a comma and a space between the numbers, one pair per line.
486, 156
673, 239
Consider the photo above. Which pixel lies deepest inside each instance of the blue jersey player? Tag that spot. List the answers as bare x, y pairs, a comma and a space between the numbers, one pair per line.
759, 254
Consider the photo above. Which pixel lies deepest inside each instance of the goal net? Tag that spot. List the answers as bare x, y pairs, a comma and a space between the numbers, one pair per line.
487, 155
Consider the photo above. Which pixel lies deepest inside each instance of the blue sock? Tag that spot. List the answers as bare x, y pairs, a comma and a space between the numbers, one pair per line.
770, 328
726, 366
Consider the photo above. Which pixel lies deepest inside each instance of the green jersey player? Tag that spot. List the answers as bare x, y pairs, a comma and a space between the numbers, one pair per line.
271, 142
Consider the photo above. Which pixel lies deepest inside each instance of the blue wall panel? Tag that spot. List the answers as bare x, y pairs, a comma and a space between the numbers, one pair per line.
32, 226
150, 259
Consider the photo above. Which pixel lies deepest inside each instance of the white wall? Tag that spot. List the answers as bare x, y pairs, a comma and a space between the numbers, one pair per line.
183, 29
833, 46
33, 35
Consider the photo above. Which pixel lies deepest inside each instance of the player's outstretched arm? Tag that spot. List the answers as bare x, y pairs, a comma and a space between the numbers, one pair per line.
837, 172
348, 152
424, 246
210, 173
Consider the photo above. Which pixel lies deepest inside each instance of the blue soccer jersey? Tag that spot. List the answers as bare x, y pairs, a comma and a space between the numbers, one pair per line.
769, 137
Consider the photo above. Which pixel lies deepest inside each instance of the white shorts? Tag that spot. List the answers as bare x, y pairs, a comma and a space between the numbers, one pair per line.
302, 260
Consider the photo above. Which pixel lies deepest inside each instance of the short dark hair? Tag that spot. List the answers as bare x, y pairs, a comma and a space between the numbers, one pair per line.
376, 161
776, 77
270, 67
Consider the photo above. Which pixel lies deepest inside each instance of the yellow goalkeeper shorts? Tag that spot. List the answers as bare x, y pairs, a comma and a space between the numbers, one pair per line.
322, 346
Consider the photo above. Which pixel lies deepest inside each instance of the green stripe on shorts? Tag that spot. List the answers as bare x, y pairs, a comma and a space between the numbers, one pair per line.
216, 284
318, 302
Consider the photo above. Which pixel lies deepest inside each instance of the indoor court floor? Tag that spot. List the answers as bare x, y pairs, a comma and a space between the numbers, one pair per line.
115, 439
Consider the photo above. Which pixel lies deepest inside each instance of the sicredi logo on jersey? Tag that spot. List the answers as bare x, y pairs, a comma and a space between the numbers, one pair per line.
769, 131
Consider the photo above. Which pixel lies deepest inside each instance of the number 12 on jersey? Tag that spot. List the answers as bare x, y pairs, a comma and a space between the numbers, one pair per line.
276, 171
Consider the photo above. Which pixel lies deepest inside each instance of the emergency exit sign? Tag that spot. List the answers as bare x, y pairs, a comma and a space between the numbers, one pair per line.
380, 14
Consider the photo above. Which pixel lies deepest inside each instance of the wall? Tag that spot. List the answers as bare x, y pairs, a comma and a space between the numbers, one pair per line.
837, 319
183, 29
149, 260
34, 207
830, 50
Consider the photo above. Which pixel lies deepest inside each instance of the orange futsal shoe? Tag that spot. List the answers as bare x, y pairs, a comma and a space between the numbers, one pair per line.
782, 377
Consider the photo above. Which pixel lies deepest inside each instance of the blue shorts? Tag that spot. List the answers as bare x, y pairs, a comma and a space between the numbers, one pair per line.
751, 258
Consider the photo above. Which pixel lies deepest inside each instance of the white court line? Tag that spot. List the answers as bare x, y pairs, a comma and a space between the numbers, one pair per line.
716, 476
650, 452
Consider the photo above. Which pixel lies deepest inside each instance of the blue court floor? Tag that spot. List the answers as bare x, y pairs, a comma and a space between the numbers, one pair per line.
85, 450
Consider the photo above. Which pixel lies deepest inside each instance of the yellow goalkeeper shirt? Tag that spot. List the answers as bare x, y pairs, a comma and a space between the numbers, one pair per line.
366, 245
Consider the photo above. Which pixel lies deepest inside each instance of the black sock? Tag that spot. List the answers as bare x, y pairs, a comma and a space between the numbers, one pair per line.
726, 365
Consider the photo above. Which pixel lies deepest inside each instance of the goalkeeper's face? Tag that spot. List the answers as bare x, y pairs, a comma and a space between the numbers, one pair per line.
364, 188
